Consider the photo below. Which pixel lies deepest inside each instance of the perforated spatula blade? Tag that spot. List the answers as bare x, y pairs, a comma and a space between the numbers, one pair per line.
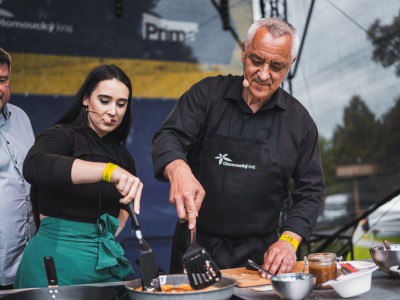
200, 268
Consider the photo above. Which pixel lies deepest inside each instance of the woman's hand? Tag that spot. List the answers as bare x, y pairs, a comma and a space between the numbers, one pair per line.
129, 186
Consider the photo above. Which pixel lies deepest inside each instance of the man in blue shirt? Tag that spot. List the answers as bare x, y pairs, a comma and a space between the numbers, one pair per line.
16, 220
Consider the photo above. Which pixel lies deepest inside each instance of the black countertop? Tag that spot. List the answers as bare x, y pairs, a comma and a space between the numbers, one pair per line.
383, 286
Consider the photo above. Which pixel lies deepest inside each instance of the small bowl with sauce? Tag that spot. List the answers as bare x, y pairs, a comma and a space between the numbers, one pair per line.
293, 286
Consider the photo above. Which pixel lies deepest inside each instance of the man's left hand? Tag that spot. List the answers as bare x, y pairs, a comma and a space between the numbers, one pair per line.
280, 256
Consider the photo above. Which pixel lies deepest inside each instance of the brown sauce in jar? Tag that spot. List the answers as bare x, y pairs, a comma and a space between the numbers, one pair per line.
323, 266
323, 273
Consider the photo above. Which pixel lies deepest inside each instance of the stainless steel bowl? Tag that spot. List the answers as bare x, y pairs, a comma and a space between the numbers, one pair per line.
386, 259
293, 286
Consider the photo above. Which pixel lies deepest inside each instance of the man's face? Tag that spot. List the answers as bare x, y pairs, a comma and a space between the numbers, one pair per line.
266, 62
5, 85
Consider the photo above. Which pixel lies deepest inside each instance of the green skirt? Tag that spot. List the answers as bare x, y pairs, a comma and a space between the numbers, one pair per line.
83, 253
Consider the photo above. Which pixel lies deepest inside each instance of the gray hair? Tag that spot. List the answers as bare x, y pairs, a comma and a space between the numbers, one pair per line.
277, 28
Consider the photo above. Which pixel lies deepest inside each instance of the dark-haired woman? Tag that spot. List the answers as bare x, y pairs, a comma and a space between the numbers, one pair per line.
82, 177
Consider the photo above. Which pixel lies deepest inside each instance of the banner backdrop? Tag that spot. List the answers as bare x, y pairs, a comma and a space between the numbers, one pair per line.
164, 46
179, 30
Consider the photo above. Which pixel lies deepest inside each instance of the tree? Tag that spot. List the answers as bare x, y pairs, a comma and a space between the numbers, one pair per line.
328, 160
386, 43
357, 140
389, 155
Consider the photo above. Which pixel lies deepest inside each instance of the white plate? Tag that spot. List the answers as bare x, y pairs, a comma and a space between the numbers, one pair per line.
262, 288
360, 264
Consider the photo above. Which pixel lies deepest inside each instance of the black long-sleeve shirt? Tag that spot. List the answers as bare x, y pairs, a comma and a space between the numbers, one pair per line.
215, 103
48, 166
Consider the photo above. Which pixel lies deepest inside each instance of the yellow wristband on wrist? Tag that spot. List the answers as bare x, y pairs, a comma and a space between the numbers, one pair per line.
291, 240
108, 170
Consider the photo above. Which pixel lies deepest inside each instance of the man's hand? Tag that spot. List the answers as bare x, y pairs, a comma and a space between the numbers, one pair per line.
186, 192
281, 256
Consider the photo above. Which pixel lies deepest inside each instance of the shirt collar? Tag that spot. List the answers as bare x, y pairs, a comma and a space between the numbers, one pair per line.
106, 139
4, 115
235, 92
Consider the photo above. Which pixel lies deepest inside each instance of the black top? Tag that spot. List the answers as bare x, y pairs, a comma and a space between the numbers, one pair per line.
48, 166
215, 105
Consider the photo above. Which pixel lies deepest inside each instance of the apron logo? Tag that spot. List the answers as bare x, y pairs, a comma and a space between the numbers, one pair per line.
227, 162
221, 158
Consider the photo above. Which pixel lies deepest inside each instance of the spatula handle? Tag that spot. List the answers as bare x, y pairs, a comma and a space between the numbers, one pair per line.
135, 219
193, 236
50, 268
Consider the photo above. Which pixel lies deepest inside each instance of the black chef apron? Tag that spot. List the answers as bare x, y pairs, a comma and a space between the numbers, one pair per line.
244, 196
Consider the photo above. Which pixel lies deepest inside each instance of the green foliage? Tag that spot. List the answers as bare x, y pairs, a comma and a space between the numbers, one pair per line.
386, 43
328, 160
389, 151
357, 139
362, 139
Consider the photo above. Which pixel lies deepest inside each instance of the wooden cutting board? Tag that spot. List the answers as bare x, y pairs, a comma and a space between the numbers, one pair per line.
248, 278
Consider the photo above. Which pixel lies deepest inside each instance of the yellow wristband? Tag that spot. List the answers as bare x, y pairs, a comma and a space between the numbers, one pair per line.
108, 170
291, 240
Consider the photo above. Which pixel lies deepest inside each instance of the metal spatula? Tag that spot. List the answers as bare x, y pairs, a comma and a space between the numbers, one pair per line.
200, 268
148, 265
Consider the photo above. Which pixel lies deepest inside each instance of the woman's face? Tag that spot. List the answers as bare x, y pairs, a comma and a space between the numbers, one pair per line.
106, 106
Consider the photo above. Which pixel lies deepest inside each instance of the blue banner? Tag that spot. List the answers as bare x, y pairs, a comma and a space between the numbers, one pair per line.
171, 30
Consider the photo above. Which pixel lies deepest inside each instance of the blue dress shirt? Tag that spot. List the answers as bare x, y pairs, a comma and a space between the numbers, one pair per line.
16, 220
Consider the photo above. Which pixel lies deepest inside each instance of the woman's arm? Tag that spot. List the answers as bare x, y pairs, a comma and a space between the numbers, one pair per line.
128, 185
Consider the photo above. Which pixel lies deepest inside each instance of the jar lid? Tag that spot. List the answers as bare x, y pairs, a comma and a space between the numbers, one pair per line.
321, 257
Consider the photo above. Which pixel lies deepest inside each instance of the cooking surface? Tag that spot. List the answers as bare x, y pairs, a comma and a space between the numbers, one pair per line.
122, 292
248, 278
383, 286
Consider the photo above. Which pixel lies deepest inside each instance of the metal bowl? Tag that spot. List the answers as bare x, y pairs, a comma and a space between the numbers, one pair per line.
293, 286
222, 290
386, 259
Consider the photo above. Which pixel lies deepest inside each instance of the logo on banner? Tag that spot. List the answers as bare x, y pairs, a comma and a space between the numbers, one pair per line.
227, 162
4, 12
163, 30
7, 21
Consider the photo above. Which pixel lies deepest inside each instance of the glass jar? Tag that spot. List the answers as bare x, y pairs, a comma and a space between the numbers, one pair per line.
323, 266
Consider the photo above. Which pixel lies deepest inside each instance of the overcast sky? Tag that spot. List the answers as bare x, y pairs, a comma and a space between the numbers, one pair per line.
336, 60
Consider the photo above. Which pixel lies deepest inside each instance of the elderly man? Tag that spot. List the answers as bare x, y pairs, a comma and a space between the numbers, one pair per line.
230, 147
16, 220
